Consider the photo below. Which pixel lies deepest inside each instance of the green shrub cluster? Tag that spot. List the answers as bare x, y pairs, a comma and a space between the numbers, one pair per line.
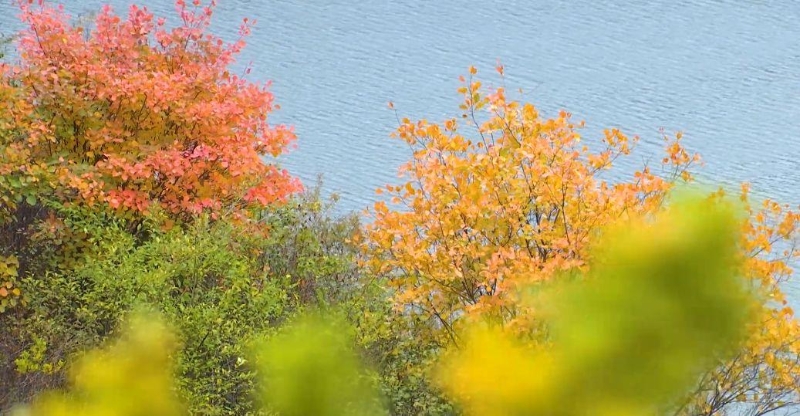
219, 284
216, 284
311, 366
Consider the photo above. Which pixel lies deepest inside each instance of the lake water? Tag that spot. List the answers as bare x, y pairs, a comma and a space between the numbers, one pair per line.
725, 72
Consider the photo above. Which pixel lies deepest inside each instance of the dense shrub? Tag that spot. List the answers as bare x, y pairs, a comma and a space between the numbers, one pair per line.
650, 354
218, 282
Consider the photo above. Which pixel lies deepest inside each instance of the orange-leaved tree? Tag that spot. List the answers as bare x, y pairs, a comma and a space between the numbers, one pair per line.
106, 134
504, 199
129, 115
133, 112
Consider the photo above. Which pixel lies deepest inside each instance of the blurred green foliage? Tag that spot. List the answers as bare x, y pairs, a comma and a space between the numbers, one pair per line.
310, 369
660, 306
130, 377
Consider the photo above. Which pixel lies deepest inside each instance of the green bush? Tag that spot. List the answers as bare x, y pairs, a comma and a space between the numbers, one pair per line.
4, 41
314, 247
398, 348
205, 285
626, 341
217, 282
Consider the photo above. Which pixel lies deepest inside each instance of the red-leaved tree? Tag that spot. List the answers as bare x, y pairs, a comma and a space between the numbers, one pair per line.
100, 127
133, 112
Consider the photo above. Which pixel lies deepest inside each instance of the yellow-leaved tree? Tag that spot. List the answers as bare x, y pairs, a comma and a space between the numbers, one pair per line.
504, 199
624, 338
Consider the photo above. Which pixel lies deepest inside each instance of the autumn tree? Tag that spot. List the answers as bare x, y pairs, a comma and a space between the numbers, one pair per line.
132, 113
109, 135
651, 346
764, 376
503, 198
127, 116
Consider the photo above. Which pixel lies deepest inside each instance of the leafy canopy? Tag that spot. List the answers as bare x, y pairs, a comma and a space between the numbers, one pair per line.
505, 199
133, 113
